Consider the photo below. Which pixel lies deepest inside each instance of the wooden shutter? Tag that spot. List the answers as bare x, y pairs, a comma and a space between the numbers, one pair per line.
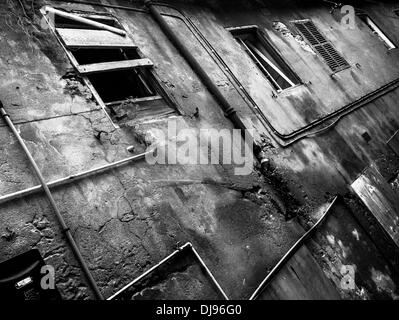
86, 38
320, 44
114, 66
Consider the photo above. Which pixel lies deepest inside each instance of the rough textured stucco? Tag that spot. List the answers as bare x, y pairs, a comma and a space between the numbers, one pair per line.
128, 219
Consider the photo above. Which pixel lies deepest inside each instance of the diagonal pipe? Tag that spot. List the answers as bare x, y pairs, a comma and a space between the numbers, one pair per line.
72, 178
64, 227
186, 246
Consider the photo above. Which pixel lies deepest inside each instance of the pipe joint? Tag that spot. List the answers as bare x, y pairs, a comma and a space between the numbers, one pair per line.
230, 111
66, 230
3, 111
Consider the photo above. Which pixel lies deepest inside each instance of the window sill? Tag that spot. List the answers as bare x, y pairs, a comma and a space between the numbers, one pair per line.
288, 90
137, 100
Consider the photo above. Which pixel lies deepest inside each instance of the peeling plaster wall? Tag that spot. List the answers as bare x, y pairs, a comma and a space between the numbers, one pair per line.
323, 165
351, 259
128, 219
342, 153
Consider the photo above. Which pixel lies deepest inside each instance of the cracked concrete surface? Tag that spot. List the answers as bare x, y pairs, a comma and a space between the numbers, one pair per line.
127, 219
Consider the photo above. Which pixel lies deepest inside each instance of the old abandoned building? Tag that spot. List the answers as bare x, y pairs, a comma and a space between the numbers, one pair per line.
85, 85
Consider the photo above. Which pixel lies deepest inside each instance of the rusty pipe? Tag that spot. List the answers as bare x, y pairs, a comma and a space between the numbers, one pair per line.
230, 112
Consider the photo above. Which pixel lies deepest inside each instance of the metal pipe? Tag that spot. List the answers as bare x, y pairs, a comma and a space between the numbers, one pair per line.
64, 227
230, 112
209, 272
163, 261
71, 178
188, 245
97, 4
300, 133
89, 22
294, 136
290, 253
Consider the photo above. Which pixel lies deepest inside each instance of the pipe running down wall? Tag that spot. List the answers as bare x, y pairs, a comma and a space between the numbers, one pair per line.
72, 178
289, 138
282, 139
230, 112
64, 227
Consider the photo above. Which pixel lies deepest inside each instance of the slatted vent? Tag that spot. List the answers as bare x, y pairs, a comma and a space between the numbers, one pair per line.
320, 44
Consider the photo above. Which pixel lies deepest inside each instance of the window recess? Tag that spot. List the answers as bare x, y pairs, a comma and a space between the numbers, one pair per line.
267, 59
376, 30
321, 45
120, 78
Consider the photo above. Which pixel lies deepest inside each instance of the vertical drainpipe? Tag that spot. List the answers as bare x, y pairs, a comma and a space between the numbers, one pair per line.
194, 64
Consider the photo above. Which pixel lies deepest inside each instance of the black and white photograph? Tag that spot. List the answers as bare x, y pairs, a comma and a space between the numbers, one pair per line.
199, 159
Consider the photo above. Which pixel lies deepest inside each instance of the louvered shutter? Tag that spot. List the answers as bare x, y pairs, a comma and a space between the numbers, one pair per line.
320, 44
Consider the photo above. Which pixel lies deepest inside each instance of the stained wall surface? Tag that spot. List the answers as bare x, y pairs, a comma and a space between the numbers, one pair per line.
127, 219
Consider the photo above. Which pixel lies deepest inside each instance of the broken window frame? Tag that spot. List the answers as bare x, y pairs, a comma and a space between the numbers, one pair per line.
332, 58
282, 67
91, 16
160, 92
376, 30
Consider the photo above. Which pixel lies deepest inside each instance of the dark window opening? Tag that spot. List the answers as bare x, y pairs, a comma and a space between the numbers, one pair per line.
321, 45
88, 56
268, 60
116, 86
396, 12
61, 22
376, 30
120, 78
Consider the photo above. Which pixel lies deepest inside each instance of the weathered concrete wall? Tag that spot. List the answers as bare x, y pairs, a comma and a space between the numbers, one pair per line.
326, 164
125, 221
129, 218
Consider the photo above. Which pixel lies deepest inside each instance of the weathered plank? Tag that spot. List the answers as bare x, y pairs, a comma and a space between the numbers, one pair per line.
90, 22
114, 66
380, 199
93, 38
142, 110
394, 142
